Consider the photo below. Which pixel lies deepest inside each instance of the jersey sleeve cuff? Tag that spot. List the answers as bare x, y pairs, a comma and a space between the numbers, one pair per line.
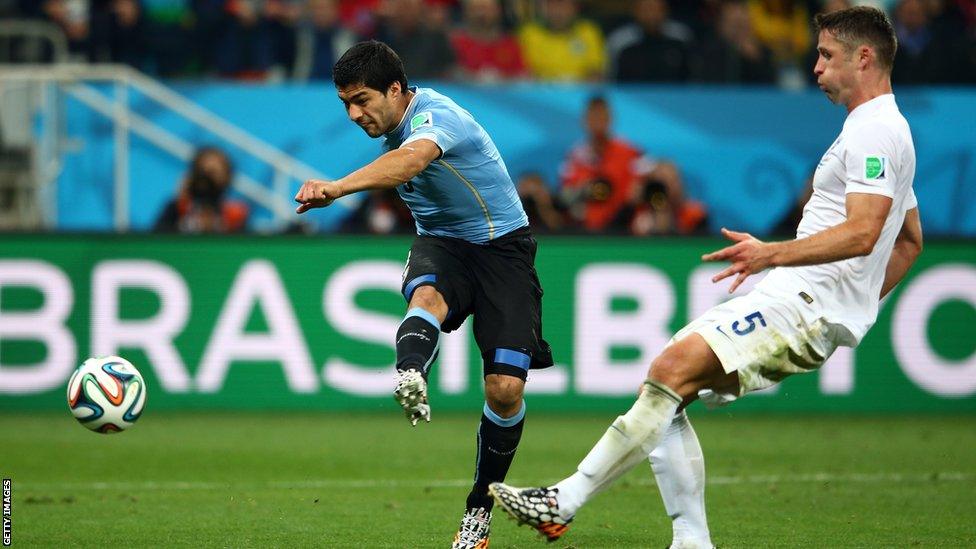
430, 136
869, 189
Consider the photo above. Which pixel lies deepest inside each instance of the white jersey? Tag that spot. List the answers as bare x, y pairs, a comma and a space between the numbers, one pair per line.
874, 153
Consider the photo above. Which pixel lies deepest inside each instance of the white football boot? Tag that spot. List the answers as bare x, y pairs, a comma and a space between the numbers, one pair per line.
474, 530
411, 393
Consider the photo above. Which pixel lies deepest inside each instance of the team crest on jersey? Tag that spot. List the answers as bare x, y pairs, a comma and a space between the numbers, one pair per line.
420, 120
875, 167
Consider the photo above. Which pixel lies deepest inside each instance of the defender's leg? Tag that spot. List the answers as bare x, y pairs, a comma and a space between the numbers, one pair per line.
675, 376
679, 468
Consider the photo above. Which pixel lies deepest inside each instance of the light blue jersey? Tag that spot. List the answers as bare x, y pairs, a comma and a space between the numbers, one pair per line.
467, 192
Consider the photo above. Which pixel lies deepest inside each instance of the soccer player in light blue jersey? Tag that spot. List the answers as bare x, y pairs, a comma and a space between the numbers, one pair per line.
473, 255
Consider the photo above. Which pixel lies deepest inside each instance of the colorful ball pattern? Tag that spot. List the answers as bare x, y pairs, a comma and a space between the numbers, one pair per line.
106, 394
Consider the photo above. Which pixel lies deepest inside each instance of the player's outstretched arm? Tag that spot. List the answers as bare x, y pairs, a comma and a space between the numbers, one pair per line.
908, 245
866, 214
389, 170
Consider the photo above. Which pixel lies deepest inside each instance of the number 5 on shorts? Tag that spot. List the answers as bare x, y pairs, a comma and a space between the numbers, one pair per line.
751, 318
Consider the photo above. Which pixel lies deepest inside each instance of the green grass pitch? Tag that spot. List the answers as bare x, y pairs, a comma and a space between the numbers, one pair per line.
341, 480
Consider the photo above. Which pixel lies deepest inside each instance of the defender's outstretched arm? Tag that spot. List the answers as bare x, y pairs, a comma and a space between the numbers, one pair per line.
856, 236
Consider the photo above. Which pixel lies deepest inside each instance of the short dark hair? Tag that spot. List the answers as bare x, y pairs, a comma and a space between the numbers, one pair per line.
371, 63
597, 101
862, 25
196, 163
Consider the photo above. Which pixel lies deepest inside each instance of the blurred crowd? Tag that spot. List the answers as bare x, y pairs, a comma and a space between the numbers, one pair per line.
606, 185
713, 41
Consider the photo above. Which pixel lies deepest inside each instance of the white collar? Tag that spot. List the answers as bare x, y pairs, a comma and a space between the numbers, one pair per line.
869, 108
416, 92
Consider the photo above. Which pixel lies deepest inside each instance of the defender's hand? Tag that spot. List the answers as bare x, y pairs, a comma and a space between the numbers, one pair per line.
316, 194
748, 256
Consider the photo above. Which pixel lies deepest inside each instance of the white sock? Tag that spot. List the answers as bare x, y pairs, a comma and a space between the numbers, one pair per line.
620, 448
679, 467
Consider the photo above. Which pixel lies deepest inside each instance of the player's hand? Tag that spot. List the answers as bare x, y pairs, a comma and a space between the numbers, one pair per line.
316, 194
748, 256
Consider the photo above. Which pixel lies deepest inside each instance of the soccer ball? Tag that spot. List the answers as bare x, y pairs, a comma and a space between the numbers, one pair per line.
106, 394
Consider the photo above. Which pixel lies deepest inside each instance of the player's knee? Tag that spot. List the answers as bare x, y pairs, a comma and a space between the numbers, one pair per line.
428, 298
503, 394
669, 369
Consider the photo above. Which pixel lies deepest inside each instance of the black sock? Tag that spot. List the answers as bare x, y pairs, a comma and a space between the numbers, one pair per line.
416, 342
496, 450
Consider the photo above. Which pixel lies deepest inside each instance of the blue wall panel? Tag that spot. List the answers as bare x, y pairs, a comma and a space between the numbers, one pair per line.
746, 152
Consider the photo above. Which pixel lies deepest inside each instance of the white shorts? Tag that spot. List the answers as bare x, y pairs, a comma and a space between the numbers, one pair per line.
764, 339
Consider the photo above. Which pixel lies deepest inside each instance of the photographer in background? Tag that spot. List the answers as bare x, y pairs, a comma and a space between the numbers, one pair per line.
201, 205
661, 208
605, 183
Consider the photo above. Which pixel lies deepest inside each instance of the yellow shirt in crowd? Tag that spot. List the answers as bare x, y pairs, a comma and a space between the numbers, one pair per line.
784, 31
575, 54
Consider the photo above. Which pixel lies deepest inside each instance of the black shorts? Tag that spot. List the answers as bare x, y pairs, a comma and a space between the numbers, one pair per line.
494, 282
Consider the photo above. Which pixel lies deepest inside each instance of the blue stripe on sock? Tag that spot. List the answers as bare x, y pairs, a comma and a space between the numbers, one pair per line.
513, 358
477, 460
504, 422
412, 285
424, 314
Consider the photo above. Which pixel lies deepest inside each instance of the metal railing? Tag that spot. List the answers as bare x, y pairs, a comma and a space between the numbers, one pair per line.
21, 203
34, 33
75, 81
